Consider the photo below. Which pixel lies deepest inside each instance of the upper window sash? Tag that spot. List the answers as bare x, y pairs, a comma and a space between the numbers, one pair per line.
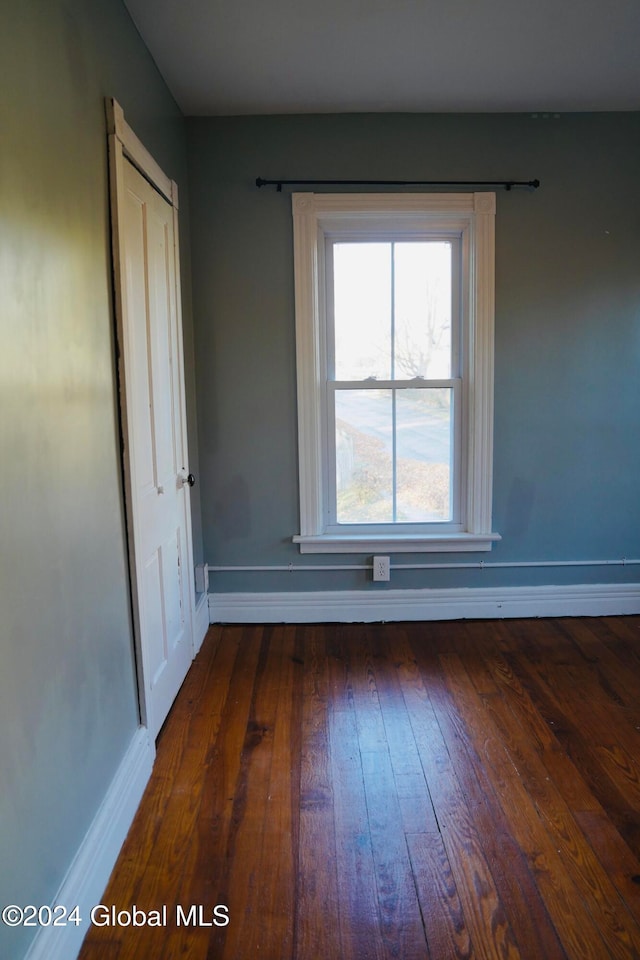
454, 240
470, 217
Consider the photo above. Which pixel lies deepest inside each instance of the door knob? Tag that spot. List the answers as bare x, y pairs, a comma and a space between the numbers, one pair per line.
188, 479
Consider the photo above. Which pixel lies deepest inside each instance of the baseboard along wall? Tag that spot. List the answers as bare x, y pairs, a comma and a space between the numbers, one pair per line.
201, 622
368, 606
89, 873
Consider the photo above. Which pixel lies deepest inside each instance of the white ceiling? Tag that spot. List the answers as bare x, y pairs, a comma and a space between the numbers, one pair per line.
224, 57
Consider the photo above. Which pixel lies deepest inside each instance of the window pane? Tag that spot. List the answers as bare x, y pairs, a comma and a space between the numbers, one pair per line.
362, 310
423, 451
422, 310
364, 441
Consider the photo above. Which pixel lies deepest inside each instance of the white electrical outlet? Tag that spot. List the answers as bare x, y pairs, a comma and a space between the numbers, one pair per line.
381, 568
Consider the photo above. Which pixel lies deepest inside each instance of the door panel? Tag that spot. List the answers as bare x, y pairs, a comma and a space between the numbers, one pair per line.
156, 446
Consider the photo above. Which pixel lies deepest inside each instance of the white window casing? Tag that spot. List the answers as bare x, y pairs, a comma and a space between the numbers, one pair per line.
469, 218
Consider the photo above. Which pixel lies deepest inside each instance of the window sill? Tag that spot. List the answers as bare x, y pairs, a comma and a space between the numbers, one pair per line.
395, 543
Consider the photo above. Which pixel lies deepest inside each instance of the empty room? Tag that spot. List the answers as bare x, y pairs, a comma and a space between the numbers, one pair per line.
319, 515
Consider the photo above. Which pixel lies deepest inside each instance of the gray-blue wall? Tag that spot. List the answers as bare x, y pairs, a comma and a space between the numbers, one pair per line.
68, 702
567, 386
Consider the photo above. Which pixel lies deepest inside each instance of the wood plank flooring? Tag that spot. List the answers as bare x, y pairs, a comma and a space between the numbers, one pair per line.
422, 791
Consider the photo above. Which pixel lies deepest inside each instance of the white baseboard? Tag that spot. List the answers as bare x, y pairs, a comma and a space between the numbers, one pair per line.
370, 606
200, 622
89, 873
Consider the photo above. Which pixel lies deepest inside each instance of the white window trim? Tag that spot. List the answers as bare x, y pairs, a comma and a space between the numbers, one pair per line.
314, 217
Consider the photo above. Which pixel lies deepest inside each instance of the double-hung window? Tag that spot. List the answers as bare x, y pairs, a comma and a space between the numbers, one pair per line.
394, 337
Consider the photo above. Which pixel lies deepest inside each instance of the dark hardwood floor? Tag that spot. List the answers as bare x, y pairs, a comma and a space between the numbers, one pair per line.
410, 791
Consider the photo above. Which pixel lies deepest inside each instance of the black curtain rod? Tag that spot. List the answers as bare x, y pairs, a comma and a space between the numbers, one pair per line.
507, 184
